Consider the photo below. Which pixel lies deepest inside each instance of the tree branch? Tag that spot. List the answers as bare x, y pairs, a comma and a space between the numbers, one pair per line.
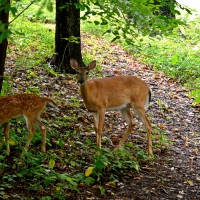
22, 11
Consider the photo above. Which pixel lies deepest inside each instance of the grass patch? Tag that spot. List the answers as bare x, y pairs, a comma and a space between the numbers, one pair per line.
32, 42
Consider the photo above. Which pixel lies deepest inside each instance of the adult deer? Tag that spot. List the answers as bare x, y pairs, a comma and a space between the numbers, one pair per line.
114, 93
26, 105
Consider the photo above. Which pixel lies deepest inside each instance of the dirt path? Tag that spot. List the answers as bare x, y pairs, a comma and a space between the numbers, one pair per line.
175, 173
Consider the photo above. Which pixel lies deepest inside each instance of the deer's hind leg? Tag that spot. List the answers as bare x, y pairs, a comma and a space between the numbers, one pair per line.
42, 129
140, 111
127, 116
29, 123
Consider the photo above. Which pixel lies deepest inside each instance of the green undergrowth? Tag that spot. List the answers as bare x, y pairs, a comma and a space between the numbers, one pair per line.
71, 162
31, 42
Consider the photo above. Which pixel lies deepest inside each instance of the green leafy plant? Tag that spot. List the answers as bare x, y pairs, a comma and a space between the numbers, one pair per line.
5, 87
107, 161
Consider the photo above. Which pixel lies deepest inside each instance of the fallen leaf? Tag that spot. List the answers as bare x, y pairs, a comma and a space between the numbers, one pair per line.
110, 183
6, 196
162, 126
137, 178
181, 192
189, 182
195, 151
175, 97
11, 142
57, 188
180, 196
88, 171
186, 145
156, 76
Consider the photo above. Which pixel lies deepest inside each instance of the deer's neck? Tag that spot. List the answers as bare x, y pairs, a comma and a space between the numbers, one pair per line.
84, 91
87, 94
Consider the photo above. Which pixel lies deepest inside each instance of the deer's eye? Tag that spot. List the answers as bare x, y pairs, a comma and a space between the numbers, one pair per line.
86, 73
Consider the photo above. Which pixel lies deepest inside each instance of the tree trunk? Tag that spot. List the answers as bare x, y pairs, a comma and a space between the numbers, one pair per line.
67, 25
4, 16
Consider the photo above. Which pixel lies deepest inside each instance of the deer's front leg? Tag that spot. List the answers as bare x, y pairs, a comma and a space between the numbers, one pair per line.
98, 124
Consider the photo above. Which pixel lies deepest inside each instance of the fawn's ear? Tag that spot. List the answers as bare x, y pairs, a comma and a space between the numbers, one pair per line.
92, 65
73, 64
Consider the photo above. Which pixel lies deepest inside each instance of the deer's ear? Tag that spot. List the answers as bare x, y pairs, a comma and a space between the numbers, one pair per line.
73, 64
92, 65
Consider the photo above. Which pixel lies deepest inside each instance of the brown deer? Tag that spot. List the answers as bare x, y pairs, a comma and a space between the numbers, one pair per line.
26, 105
114, 93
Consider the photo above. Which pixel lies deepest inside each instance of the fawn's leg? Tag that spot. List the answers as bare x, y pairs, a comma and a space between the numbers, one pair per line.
31, 131
42, 128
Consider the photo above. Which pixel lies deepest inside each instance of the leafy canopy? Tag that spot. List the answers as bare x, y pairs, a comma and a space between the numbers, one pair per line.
128, 19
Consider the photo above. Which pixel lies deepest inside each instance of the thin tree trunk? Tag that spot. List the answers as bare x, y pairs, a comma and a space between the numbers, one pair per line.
67, 25
4, 16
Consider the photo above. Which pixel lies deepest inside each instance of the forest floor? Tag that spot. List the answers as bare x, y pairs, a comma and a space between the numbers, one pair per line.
174, 173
